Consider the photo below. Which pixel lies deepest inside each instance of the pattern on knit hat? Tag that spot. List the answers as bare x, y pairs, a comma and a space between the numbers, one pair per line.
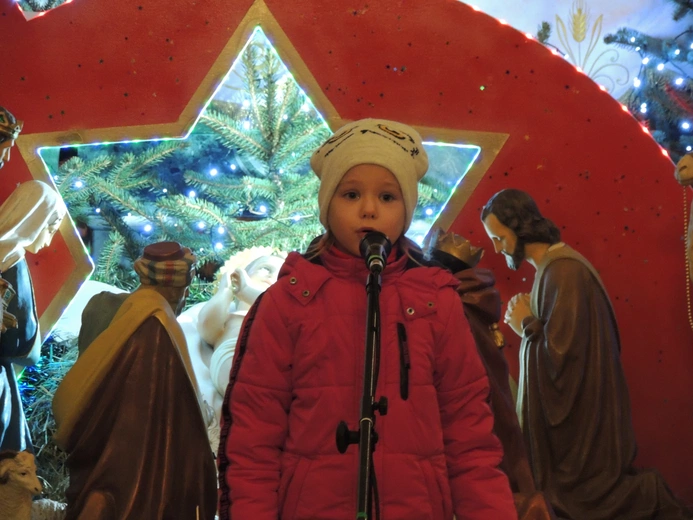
389, 144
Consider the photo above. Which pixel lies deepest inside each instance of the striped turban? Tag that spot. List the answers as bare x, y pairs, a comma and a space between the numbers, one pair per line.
166, 264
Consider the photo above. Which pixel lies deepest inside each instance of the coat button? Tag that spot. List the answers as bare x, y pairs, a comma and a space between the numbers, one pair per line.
306, 293
410, 311
293, 280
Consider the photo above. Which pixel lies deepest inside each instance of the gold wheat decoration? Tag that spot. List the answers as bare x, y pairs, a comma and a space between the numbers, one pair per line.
579, 18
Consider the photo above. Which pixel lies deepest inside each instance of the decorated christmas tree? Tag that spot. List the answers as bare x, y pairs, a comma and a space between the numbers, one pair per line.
240, 178
661, 96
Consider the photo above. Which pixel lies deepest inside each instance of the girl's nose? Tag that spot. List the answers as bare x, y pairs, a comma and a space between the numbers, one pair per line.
369, 208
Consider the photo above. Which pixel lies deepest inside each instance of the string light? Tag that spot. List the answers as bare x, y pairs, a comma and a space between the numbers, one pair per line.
213, 172
221, 230
200, 225
192, 194
148, 228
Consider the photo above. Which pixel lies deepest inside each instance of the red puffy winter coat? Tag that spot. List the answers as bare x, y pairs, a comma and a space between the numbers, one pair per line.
299, 372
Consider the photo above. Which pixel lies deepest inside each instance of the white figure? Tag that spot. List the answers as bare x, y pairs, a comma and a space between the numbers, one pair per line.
684, 175
29, 218
211, 328
18, 485
242, 279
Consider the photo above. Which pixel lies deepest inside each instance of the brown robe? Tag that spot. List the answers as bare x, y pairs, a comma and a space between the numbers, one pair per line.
573, 401
482, 306
138, 448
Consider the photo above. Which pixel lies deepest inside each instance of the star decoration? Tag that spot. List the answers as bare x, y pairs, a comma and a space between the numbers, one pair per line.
470, 152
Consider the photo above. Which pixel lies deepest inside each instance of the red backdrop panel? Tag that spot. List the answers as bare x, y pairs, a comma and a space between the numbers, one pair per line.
99, 64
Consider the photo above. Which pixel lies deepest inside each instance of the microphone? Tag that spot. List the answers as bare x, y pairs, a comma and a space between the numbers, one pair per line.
375, 248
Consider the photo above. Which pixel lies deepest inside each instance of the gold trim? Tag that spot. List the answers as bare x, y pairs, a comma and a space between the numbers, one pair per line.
490, 144
83, 269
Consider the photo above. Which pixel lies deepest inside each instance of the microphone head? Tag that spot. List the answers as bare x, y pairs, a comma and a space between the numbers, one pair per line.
375, 247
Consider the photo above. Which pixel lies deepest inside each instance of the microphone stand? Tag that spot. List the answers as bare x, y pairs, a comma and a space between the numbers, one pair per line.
365, 436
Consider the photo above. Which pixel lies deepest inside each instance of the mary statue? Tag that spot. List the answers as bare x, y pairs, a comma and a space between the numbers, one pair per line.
28, 220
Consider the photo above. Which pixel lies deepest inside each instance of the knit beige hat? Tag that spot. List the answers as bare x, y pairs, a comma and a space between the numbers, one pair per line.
389, 144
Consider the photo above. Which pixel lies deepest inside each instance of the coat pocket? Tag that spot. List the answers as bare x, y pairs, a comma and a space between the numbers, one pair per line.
290, 485
441, 505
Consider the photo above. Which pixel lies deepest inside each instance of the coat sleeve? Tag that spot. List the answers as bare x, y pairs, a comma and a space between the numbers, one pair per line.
258, 407
480, 490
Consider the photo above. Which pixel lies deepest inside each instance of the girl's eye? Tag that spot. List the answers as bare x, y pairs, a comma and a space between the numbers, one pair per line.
350, 195
387, 197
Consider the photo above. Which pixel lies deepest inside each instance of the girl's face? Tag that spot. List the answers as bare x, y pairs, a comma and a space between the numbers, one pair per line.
368, 198
44, 238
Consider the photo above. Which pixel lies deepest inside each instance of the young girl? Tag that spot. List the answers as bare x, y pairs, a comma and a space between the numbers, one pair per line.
299, 363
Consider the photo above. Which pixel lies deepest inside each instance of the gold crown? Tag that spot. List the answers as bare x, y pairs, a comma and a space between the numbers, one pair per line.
7, 127
455, 245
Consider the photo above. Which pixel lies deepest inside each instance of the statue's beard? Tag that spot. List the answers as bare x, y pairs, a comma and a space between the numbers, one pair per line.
515, 260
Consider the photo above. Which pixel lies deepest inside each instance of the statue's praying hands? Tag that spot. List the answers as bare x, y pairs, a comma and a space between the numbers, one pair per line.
518, 309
